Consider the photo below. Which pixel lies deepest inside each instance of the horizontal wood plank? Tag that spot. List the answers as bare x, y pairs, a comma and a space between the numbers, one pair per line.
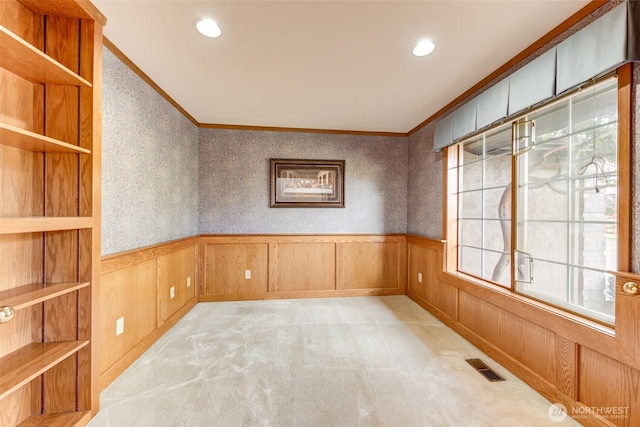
301, 294
26, 61
35, 293
25, 364
126, 259
31, 141
43, 223
301, 238
63, 419
82, 9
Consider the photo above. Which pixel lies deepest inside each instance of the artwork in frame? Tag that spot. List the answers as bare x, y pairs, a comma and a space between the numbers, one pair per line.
297, 183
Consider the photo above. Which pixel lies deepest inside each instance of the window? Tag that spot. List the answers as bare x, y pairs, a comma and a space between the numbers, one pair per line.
562, 161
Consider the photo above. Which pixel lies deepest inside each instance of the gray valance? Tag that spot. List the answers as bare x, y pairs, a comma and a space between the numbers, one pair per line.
601, 46
464, 120
533, 83
492, 104
596, 48
443, 132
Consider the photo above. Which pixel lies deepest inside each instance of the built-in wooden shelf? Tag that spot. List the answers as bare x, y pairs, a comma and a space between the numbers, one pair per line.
26, 61
82, 9
25, 364
36, 224
62, 419
31, 141
35, 293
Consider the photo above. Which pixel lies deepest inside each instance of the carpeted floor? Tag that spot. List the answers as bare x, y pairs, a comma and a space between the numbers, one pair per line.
371, 361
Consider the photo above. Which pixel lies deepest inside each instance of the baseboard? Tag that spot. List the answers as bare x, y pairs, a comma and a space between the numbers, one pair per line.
301, 294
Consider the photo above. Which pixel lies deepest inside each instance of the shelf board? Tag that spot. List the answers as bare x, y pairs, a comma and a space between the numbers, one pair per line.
35, 224
61, 419
31, 141
35, 293
82, 9
26, 61
25, 364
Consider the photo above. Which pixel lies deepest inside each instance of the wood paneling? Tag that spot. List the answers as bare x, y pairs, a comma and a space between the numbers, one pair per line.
526, 342
370, 265
225, 266
567, 372
627, 309
178, 271
129, 293
608, 388
421, 262
303, 266
115, 262
135, 285
570, 360
295, 266
426, 258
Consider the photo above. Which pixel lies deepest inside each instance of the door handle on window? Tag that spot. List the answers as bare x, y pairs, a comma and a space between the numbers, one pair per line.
630, 288
518, 264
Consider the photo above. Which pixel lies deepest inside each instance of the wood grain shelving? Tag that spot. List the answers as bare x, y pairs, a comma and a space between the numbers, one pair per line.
36, 224
31, 141
51, 74
35, 293
26, 61
27, 363
62, 419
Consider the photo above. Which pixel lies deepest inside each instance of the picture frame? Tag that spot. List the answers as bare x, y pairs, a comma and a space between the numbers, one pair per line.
301, 183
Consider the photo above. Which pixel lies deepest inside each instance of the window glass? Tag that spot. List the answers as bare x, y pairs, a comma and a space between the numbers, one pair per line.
484, 206
567, 219
565, 178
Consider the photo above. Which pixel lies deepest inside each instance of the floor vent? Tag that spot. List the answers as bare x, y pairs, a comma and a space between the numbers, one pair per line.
482, 367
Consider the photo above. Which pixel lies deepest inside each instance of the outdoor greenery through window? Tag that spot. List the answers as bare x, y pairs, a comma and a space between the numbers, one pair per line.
565, 178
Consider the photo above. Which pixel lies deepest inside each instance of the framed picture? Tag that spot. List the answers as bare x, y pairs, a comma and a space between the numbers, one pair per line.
307, 183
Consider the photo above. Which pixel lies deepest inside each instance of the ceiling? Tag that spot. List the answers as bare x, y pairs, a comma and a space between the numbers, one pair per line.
335, 65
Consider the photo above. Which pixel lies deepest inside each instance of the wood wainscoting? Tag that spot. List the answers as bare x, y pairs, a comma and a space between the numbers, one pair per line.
243, 267
591, 369
136, 286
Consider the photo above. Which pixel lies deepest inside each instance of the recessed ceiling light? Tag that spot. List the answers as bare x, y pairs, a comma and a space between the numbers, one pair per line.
425, 47
208, 28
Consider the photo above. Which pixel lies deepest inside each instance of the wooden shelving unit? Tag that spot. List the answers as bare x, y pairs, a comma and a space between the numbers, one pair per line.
50, 74
25, 364
38, 224
19, 138
35, 293
26, 61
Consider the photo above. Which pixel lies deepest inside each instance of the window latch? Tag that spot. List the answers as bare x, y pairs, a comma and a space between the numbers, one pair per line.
523, 136
523, 266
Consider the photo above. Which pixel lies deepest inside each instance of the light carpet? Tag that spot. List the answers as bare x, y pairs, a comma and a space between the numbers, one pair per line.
370, 361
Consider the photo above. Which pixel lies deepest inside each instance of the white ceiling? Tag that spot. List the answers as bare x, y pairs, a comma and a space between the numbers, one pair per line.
339, 65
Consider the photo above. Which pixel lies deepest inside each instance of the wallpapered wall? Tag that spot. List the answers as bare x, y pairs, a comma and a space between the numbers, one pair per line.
424, 201
149, 164
234, 182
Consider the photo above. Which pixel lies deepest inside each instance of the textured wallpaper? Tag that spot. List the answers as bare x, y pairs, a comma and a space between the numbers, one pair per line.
424, 201
635, 172
149, 164
234, 183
